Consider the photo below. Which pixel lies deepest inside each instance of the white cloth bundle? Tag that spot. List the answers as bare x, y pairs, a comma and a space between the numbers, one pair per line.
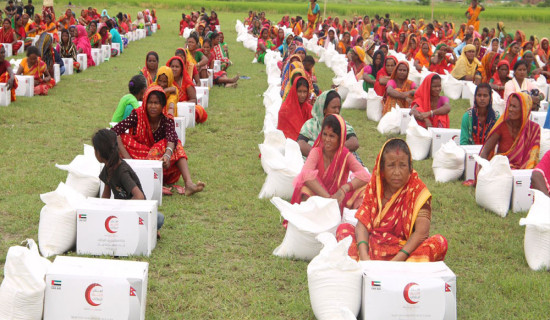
468, 89
344, 83
448, 163
390, 122
356, 97
334, 279
494, 184
83, 174
281, 171
537, 233
250, 42
419, 140
452, 87
374, 106
499, 105
544, 141
305, 221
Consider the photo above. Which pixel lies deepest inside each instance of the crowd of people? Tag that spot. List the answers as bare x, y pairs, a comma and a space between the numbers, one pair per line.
394, 206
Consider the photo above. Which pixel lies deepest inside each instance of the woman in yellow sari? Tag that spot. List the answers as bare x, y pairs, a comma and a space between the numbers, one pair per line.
33, 65
467, 65
394, 219
313, 16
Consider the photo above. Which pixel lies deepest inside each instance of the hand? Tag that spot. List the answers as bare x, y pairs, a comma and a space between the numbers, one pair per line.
409, 100
166, 161
426, 115
339, 196
10, 83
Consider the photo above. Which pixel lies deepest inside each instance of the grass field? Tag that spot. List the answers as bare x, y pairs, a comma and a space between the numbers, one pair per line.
214, 260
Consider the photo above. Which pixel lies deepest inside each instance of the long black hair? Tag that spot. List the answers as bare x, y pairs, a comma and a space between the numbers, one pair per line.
106, 145
376, 68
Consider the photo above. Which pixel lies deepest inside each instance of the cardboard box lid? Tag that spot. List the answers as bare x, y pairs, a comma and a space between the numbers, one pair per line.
118, 204
90, 267
416, 269
144, 163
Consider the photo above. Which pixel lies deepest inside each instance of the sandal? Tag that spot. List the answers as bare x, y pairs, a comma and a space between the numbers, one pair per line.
469, 183
179, 189
166, 191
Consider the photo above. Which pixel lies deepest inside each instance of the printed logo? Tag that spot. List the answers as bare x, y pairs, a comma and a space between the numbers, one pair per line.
411, 293
111, 224
94, 294
156, 176
519, 183
56, 283
140, 221
375, 283
82, 217
132, 292
447, 287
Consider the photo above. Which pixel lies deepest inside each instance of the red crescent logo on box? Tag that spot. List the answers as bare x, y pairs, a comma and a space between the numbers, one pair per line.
111, 224
94, 294
411, 293
455, 136
140, 221
132, 292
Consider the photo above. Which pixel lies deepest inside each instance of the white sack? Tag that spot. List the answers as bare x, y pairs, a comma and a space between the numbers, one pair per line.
537, 233
452, 88
390, 122
305, 221
448, 163
374, 106
419, 140
83, 175
468, 92
334, 279
544, 141
494, 184
22, 290
57, 227
282, 172
499, 105
348, 216
356, 98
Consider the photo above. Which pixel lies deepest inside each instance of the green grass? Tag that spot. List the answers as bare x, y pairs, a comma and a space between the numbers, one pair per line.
214, 260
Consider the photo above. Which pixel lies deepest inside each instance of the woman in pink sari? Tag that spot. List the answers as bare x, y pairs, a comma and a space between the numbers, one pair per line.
82, 44
328, 166
540, 179
514, 135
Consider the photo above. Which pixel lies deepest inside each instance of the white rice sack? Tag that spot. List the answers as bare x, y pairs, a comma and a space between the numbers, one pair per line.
305, 221
251, 43
390, 122
356, 98
419, 140
452, 88
415, 76
448, 163
312, 43
57, 226
537, 233
374, 106
544, 141
470, 89
494, 184
22, 290
334, 280
348, 216
83, 174
282, 172
187, 33
541, 84
499, 105
276, 139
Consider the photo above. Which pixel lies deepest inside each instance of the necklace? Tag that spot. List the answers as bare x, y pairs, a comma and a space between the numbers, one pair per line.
157, 127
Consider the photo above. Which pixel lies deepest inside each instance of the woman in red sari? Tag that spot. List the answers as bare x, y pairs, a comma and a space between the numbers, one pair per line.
394, 219
500, 77
7, 35
512, 54
182, 80
6, 74
33, 65
383, 76
217, 51
295, 110
150, 69
429, 108
328, 166
152, 136
514, 135
399, 90
410, 47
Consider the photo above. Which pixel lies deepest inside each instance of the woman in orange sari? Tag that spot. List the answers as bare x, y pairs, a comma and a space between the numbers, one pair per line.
473, 12
33, 65
165, 80
399, 90
543, 50
149, 71
489, 64
152, 136
514, 135
410, 48
182, 81
313, 16
394, 219
295, 109
422, 58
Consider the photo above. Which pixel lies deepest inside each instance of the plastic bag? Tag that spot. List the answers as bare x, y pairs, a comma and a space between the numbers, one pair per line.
390, 122
374, 106
305, 221
537, 233
83, 174
452, 87
448, 163
419, 140
544, 141
356, 97
281, 171
494, 184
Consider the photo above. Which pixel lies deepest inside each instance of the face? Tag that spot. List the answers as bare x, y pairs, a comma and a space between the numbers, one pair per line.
72, 31
477, 43
390, 65
385, 50
25, 20
191, 44
514, 109
176, 68
346, 37
333, 107
529, 58
402, 72
162, 81
93, 28
402, 37
425, 48
206, 47
515, 49
494, 46
330, 140
302, 94
65, 37
154, 107
521, 72
436, 88
482, 97
47, 20
470, 54
413, 44
152, 62
32, 58
6, 25
396, 170
331, 34
528, 47
545, 45
302, 55
378, 60
503, 71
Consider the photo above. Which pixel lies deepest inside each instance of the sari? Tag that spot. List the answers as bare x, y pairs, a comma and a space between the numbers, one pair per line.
267, 44
333, 177
407, 48
5, 77
544, 169
68, 17
83, 43
369, 44
313, 16
7, 35
292, 114
391, 225
186, 81
487, 64
463, 67
423, 99
327, 40
302, 73
287, 70
524, 152
172, 97
358, 70
218, 53
473, 132
390, 102
543, 54
379, 88
495, 79
37, 71
141, 143
474, 17
507, 55
145, 72
421, 58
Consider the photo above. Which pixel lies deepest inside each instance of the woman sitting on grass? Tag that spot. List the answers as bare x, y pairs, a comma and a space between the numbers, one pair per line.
6, 74
152, 136
478, 121
520, 83
399, 90
182, 81
150, 69
467, 65
33, 65
328, 165
82, 43
129, 102
370, 72
93, 35
264, 44
357, 62
7, 35
67, 49
395, 216
220, 77
428, 107
295, 109
540, 179
165, 80
384, 75
195, 57
190, 68
514, 135
500, 77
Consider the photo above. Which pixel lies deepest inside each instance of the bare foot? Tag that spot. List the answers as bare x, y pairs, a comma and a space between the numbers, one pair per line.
231, 85
236, 78
194, 188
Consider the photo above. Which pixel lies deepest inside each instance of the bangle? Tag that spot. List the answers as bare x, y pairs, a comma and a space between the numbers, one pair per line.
432, 112
405, 252
360, 242
165, 155
350, 186
171, 150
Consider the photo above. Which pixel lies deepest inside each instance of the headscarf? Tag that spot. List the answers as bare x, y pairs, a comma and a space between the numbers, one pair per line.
145, 70
361, 54
185, 82
82, 42
292, 114
69, 47
291, 66
167, 71
379, 88
540, 50
424, 60
44, 44
480, 133
487, 64
524, 152
463, 67
423, 99
334, 41
285, 45
104, 14
368, 44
